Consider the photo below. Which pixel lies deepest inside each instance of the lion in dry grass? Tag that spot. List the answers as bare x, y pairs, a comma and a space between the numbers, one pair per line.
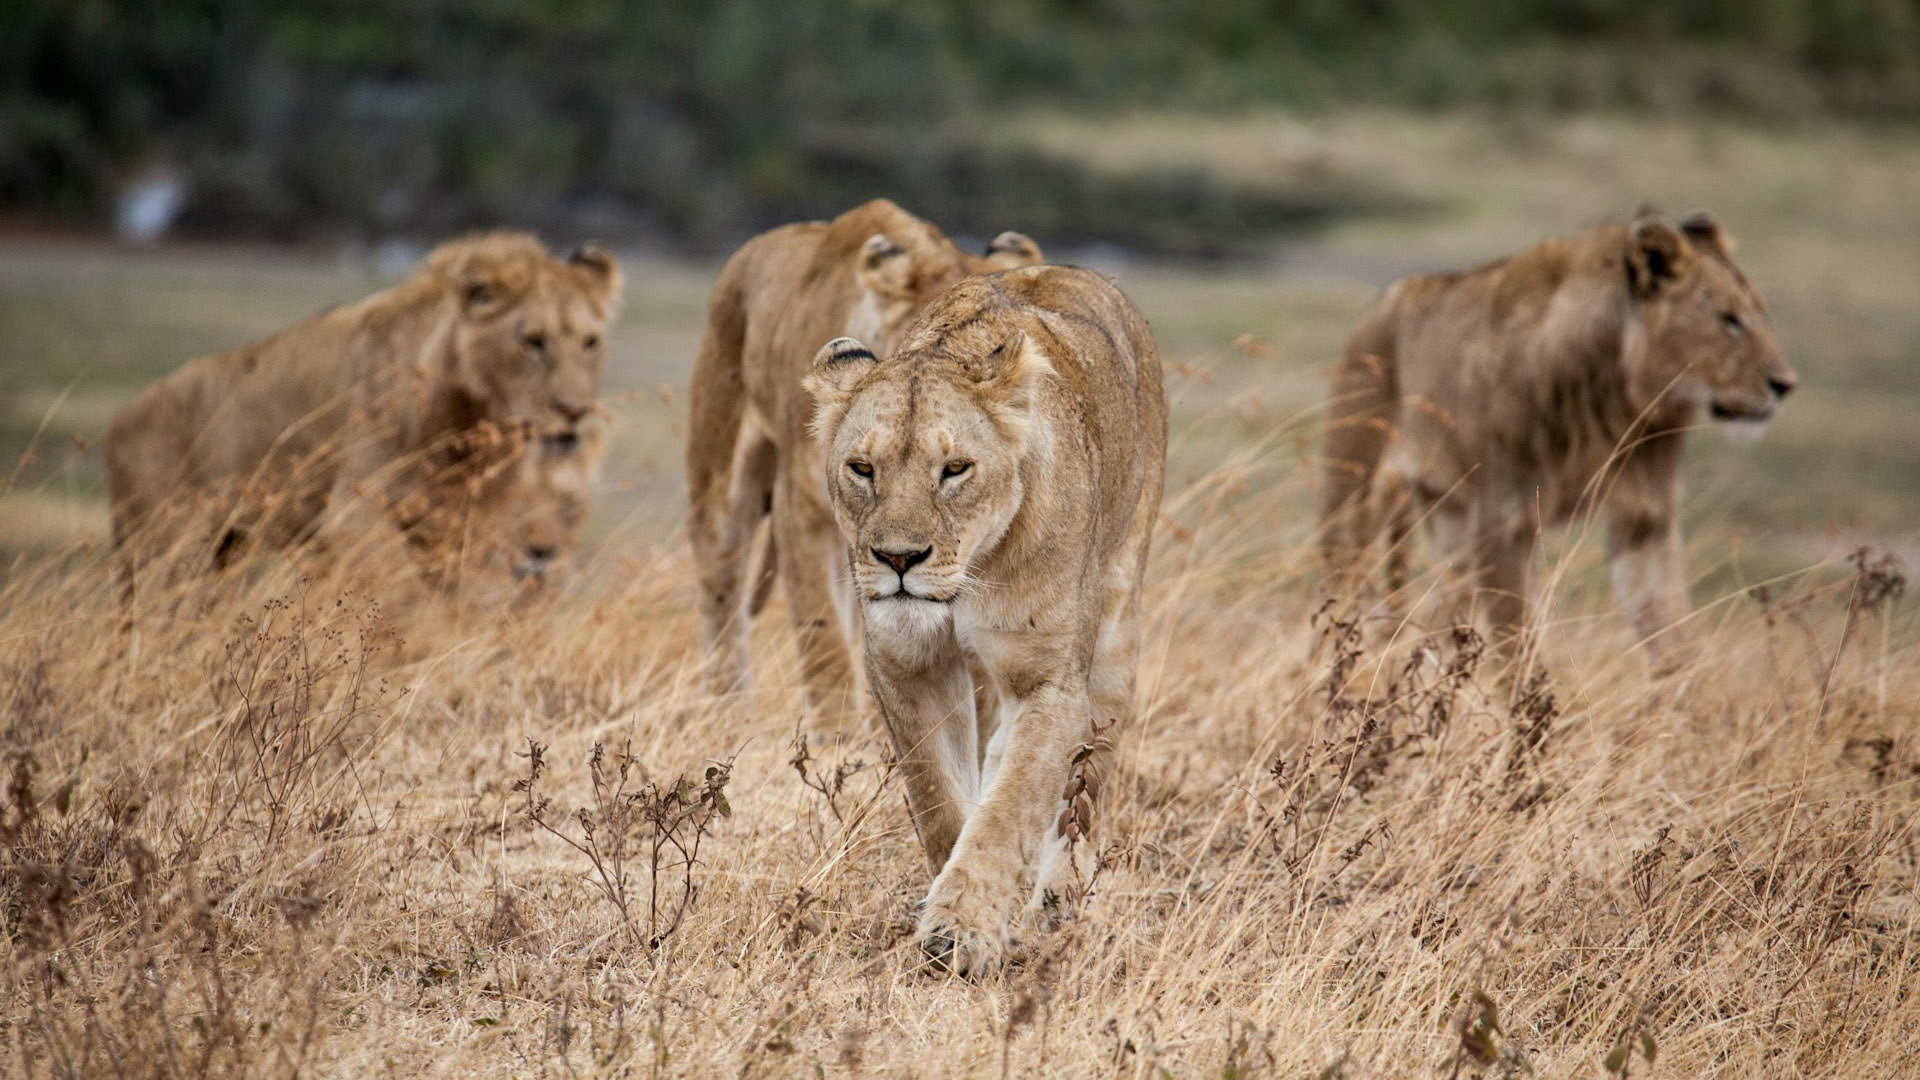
995, 484
514, 510
1552, 384
325, 427
866, 273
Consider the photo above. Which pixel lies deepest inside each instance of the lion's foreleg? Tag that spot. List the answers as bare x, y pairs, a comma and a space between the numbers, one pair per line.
1647, 566
926, 702
812, 563
1391, 509
1504, 583
1506, 578
970, 909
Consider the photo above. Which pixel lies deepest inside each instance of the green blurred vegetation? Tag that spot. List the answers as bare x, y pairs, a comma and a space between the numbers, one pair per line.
701, 121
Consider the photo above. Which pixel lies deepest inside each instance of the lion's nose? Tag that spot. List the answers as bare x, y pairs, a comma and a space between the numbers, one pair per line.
539, 557
902, 561
571, 410
1781, 385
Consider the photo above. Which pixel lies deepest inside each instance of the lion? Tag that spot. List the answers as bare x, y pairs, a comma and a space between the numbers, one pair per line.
544, 523
321, 427
1555, 383
518, 515
866, 274
995, 482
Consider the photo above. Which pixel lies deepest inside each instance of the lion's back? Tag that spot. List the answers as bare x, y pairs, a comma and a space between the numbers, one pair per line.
786, 286
1105, 348
1106, 383
1506, 374
272, 411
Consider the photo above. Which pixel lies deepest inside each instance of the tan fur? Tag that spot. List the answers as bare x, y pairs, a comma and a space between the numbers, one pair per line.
867, 272
357, 409
996, 482
520, 513
1555, 383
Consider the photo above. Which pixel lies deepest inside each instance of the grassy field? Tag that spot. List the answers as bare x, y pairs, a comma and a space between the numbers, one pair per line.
282, 829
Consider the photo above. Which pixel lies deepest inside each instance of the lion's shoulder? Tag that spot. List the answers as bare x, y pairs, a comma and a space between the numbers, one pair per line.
1072, 291
1079, 318
1556, 285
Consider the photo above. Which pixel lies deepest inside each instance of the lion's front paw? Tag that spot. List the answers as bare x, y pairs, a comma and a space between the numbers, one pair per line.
967, 953
960, 934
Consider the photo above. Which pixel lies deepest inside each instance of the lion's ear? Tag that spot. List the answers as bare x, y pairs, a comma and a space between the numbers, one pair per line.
1657, 257
836, 369
883, 267
1704, 230
1011, 250
1008, 379
602, 272
481, 288
475, 270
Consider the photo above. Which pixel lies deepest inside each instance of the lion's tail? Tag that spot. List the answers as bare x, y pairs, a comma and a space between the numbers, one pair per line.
1360, 418
718, 398
142, 459
763, 575
729, 486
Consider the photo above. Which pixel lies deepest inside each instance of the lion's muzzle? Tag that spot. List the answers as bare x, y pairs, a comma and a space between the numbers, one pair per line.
901, 561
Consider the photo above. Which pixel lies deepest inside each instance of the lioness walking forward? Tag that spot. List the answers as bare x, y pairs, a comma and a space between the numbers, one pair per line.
996, 481
867, 273
1557, 382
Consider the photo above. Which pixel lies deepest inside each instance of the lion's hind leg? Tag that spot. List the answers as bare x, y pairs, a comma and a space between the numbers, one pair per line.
812, 556
721, 531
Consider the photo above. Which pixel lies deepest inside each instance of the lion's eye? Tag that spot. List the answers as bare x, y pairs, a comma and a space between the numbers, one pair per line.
860, 469
534, 342
1732, 323
478, 294
955, 468
592, 341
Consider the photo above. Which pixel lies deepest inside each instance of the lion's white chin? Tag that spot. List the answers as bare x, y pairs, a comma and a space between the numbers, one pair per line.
907, 617
1744, 432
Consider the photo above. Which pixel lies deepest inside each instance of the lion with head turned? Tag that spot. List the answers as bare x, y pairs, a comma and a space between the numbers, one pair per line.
866, 273
995, 482
326, 427
1543, 387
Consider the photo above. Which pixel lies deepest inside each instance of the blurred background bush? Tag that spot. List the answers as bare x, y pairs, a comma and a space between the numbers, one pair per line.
698, 123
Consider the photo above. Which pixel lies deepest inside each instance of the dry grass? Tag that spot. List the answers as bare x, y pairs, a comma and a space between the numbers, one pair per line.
273, 839
292, 826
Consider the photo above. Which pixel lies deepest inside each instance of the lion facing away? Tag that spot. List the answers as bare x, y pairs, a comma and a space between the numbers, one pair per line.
1554, 383
324, 427
865, 273
995, 484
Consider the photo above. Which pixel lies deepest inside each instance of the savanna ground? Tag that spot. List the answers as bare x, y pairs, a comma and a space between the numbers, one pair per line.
285, 827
